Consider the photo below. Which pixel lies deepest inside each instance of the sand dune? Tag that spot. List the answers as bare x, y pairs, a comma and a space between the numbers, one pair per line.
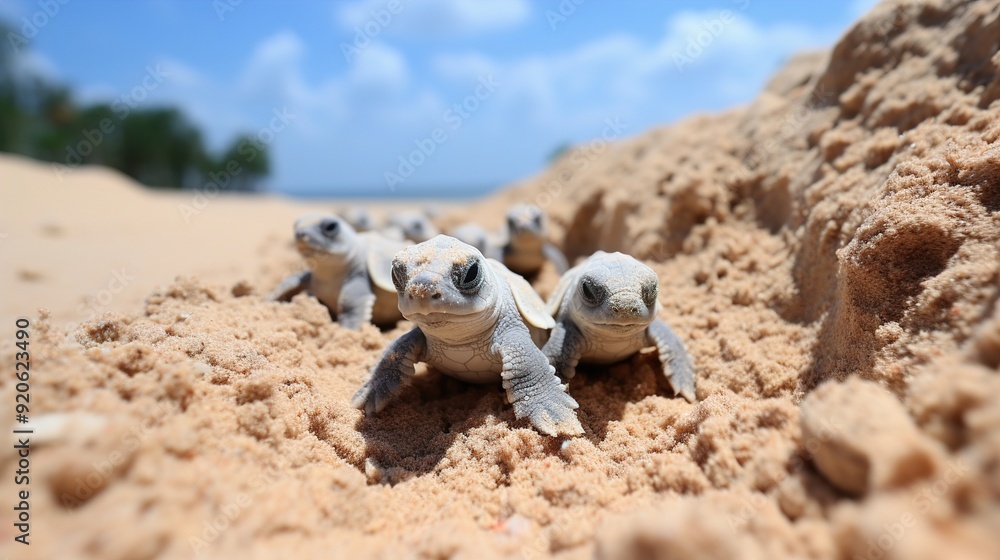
830, 254
90, 241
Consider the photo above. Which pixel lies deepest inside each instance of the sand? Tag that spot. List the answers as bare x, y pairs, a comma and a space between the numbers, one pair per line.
830, 254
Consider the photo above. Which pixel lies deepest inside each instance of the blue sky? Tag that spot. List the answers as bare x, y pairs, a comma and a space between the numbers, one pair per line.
487, 89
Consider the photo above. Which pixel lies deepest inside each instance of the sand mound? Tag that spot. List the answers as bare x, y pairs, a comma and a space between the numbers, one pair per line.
829, 254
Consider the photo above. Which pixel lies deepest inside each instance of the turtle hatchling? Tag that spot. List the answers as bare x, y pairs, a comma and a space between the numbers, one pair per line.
349, 272
606, 310
474, 234
526, 248
414, 226
359, 218
473, 322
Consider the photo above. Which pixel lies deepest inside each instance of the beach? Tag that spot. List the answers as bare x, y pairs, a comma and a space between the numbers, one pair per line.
829, 254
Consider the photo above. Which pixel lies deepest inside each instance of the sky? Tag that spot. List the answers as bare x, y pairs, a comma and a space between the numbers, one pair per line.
419, 97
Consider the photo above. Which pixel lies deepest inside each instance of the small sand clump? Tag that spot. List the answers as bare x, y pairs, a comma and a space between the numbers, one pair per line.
861, 438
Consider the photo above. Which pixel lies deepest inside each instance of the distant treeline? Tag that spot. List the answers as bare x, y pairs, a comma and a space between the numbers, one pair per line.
157, 146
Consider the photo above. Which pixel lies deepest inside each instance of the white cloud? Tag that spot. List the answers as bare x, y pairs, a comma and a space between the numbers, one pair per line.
435, 18
379, 68
351, 124
617, 71
701, 37
180, 73
31, 63
272, 73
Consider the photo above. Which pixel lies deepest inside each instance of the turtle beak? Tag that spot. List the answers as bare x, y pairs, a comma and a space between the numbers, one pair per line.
629, 308
424, 286
305, 242
427, 293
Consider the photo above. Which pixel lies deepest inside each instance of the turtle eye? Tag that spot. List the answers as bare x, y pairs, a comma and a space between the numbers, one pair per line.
399, 276
470, 278
330, 228
592, 294
650, 292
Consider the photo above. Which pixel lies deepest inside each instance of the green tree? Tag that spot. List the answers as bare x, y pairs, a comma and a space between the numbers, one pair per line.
243, 164
160, 147
157, 146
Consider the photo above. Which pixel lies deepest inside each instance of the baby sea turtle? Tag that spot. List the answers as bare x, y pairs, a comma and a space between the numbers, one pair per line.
474, 234
526, 248
359, 218
606, 310
415, 226
349, 272
473, 319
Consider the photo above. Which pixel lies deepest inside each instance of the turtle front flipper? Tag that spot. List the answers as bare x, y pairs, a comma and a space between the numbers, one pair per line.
674, 358
563, 349
533, 388
290, 287
393, 369
356, 301
553, 254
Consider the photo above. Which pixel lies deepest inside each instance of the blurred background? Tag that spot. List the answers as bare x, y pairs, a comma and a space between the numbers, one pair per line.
373, 98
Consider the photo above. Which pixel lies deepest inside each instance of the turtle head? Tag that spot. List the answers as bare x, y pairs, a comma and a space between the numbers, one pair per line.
414, 225
323, 236
359, 218
615, 293
526, 221
443, 282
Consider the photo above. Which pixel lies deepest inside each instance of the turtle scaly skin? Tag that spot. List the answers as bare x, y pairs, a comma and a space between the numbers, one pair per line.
349, 272
526, 248
606, 310
474, 319
415, 226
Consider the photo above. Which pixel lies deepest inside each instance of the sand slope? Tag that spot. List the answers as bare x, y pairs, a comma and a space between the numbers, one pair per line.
90, 240
829, 254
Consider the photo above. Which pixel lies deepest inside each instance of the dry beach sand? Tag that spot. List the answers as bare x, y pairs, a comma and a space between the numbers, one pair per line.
829, 253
